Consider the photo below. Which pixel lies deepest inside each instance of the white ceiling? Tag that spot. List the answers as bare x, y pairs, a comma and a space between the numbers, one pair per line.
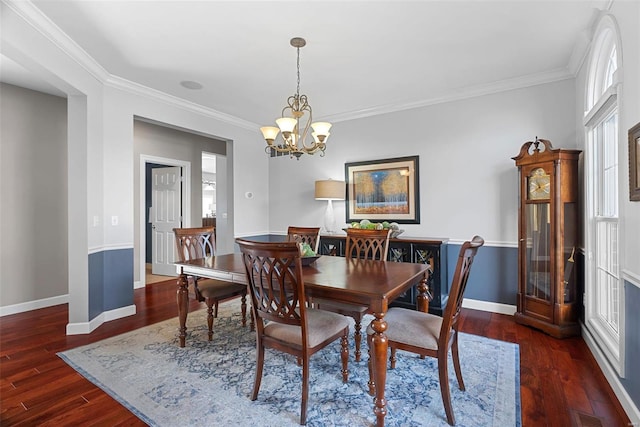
361, 58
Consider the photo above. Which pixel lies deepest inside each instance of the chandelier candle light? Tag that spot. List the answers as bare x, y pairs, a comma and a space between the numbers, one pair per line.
329, 190
295, 126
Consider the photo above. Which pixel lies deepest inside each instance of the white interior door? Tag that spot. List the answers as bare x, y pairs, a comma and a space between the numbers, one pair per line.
165, 216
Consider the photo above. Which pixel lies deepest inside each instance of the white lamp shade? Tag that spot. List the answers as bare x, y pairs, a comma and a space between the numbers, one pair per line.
321, 128
286, 124
270, 132
329, 190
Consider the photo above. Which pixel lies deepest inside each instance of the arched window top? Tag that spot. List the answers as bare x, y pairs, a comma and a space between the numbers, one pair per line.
605, 61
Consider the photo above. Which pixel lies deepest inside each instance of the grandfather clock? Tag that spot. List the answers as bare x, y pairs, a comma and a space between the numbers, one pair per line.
547, 238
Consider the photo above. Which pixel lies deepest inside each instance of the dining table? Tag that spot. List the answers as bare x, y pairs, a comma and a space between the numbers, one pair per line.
374, 284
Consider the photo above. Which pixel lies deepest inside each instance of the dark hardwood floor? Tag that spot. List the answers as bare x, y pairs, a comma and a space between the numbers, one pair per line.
560, 382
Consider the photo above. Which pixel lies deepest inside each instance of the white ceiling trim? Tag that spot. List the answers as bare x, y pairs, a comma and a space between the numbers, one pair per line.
465, 93
41, 23
145, 91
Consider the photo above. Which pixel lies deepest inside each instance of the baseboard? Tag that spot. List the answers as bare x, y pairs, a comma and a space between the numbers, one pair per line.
138, 284
610, 374
33, 305
494, 307
88, 327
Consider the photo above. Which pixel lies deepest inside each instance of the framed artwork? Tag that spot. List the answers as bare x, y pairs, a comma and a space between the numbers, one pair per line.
383, 190
634, 163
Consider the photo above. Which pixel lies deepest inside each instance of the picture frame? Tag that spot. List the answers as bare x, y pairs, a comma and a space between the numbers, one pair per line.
383, 190
634, 163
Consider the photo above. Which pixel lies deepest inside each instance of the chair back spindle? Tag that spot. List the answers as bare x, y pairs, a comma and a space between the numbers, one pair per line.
367, 244
451, 313
193, 243
275, 281
309, 235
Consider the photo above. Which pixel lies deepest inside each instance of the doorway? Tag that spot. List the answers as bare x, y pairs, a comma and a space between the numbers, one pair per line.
147, 164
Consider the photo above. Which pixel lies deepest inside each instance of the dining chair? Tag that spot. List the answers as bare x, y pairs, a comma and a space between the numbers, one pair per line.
283, 320
360, 244
199, 242
309, 235
430, 335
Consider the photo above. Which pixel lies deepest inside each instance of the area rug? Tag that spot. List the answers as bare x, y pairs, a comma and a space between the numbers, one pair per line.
209, 383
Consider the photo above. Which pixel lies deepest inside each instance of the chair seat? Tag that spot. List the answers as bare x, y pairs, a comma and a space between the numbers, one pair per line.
340, 307
321, 325
411, 327
212, 288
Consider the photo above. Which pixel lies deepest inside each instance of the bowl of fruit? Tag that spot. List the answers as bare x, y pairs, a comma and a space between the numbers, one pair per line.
307, 254
365, 224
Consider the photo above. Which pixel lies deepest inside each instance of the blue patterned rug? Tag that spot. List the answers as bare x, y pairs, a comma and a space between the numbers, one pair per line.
208, 383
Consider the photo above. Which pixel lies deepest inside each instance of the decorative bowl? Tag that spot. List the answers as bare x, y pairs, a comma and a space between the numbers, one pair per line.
393, 235
307, 260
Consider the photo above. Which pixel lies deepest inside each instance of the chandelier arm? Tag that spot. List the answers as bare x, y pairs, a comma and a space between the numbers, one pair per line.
279, 149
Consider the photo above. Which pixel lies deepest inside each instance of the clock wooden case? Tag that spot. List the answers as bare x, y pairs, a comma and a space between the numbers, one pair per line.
547, 238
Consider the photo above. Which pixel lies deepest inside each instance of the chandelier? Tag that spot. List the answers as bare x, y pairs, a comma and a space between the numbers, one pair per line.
295, 123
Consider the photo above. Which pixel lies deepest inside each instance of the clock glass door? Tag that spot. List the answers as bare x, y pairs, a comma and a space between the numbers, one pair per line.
538, 253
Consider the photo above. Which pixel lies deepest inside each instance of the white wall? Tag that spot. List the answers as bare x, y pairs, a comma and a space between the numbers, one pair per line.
33, 193
468, 181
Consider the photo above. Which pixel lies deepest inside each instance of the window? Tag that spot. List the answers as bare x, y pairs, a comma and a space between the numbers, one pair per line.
604, 297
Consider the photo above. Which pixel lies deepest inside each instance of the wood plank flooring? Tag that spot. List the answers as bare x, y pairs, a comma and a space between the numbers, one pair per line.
560, 382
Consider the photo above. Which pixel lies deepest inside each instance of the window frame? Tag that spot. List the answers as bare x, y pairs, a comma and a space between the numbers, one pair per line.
602, 103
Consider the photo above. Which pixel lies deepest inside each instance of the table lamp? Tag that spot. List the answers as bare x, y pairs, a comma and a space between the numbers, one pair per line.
329, 190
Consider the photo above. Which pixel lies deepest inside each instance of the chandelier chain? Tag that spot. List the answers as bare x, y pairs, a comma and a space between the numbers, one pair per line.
298, 71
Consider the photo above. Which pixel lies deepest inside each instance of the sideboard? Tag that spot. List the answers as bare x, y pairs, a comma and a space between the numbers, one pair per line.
408, 249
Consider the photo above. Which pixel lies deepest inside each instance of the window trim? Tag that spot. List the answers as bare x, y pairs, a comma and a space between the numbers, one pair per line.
599, 106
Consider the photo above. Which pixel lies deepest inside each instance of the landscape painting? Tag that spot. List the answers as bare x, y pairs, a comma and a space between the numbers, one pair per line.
383, 190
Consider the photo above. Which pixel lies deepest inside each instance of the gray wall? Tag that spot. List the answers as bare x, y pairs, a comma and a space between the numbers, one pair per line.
468, 181
33, 193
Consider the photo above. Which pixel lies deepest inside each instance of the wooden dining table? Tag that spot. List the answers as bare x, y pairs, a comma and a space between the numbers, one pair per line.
370, 283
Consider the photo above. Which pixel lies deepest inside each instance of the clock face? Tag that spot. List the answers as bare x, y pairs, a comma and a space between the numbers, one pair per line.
539, 185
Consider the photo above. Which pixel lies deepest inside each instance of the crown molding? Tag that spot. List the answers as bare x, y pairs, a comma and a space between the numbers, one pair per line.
41, 23
464, 93
579, 52
147, 92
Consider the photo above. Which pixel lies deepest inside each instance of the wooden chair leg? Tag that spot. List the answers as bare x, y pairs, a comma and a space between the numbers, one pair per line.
216, 311
305, 389
371, 383
210, 316
392, 358
456, 362
344, 356
243, 309
259, 366
443, 373
357, 336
